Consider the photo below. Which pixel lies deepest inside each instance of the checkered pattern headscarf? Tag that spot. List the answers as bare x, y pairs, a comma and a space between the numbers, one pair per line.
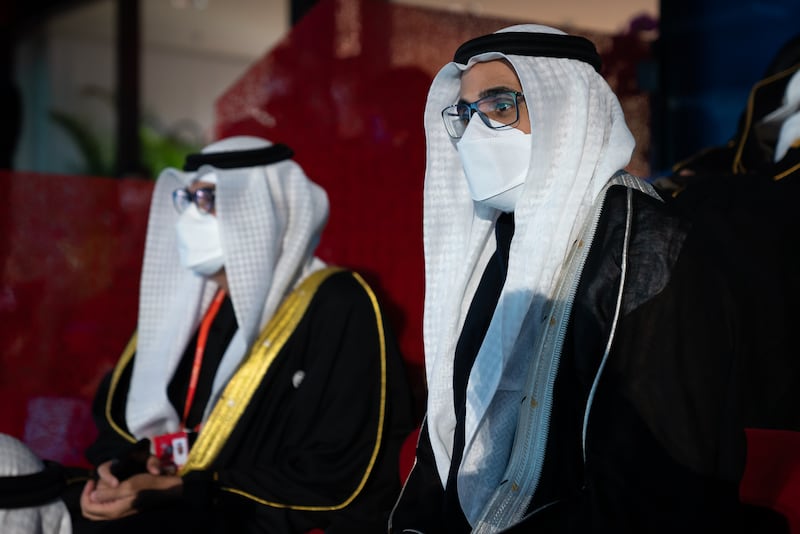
16, 459
270, 219
579, 139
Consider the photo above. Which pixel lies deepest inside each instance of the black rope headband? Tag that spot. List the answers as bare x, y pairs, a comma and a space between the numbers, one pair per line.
36, 489
531, 44
239, 158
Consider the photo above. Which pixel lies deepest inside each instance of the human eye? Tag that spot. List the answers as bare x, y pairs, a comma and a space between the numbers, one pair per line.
462, 113
498, 107
205, 199
181, 198
503, 104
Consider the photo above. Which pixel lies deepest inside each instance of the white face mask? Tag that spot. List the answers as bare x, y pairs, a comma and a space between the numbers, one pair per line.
495, 163
199, 245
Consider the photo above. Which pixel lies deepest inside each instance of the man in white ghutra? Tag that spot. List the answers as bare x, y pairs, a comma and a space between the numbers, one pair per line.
580, 352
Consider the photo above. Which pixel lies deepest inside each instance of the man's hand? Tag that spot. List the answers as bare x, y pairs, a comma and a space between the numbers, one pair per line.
108, 498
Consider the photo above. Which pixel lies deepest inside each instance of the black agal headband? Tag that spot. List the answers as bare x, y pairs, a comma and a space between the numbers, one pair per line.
531, 44
239, 158
36, 489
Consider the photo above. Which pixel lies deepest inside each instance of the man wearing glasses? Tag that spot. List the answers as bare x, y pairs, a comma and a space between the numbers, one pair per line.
579, 349
263, 390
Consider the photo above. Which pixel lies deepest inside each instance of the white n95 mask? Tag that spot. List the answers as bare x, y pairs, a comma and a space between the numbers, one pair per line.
495, 163
199, 246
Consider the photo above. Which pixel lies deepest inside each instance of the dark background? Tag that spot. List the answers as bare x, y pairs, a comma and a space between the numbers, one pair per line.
708, 55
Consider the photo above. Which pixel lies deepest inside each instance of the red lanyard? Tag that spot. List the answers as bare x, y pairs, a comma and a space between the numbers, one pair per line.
202, 337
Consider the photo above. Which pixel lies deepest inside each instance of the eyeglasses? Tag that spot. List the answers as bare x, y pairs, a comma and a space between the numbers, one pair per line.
497, 111
203, 198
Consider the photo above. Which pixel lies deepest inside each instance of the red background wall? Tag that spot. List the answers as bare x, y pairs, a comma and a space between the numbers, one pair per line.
71, 249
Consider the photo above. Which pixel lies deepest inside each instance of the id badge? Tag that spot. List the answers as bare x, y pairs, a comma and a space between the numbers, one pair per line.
172, 449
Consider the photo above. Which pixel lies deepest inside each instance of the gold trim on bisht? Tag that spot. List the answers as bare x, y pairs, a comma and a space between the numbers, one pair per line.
240, 389
124, 360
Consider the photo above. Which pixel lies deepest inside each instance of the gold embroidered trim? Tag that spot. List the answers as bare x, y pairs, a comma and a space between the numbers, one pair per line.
239, 391
786, 173
124, 360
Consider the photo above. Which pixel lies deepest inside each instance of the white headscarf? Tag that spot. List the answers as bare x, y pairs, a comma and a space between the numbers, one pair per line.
787, 116
52, 518
270, 219
580, 140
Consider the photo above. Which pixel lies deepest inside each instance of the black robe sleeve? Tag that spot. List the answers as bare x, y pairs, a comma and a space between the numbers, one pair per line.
420, 506
664, 446
110, 442
665, 449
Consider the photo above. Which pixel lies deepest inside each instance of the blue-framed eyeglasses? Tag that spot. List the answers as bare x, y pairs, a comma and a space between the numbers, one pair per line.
203, 198
497, 111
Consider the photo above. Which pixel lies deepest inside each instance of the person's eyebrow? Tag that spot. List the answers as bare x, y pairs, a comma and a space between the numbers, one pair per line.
198, 183
496, 90
490, 92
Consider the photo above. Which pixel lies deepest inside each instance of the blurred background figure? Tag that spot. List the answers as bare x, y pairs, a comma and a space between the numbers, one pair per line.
765, 141
741, 198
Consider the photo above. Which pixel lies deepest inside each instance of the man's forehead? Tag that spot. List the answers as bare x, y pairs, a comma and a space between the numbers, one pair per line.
205, 179
484, 79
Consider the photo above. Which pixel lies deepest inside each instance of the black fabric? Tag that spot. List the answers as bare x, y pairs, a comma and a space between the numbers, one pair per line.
474, 330
109, 445
531, 44
743, 206
664, 450
220, 333
750, 225
235, 159
421, 502
309, 445
22, 491
665, 446
178, 517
